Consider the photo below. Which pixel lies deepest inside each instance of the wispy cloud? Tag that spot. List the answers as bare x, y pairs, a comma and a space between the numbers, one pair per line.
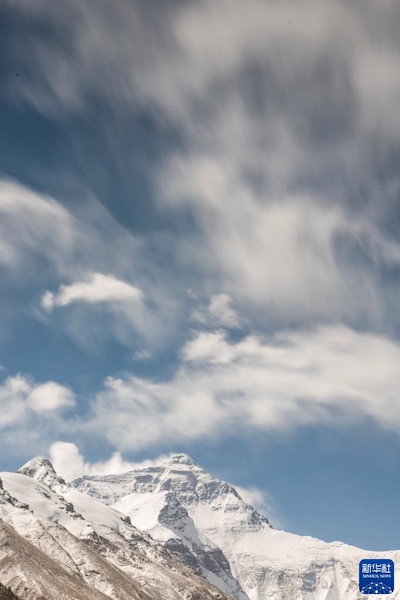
329, 375
292, 257
41, 238
33, 228
326, 375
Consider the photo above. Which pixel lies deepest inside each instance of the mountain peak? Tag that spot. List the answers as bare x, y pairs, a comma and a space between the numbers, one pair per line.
181, 459
40, 468
39, 463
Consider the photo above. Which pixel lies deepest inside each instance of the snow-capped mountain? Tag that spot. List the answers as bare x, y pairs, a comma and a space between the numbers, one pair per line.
205, 522
171, 532
56, 542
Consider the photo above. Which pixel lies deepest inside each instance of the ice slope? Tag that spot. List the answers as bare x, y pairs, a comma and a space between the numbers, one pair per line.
95, 543
204, 514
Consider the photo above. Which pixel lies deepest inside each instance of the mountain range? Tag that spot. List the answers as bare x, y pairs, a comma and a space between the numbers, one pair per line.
166, 532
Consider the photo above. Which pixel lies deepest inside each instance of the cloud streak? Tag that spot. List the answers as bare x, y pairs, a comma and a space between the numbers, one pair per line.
32, 227
328, 375
277, 131
331, 375
290, 257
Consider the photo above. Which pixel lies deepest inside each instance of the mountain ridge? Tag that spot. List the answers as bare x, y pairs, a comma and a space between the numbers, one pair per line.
266, 563
96, 545
205, 524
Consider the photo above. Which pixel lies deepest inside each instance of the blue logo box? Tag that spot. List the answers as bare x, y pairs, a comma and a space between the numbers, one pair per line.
376, 576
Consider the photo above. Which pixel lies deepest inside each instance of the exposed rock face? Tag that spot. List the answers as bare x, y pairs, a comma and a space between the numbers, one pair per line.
7, 594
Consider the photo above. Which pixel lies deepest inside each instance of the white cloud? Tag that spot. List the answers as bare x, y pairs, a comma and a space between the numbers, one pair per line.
70, 464
14, 392
50, 396
208, 347
329, 374
104, 305
97, 288
32, 413
20, 396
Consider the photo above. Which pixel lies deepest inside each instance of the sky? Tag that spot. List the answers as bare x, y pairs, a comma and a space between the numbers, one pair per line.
200, 248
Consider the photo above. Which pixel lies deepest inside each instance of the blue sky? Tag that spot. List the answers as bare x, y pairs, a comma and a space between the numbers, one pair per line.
199, 247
